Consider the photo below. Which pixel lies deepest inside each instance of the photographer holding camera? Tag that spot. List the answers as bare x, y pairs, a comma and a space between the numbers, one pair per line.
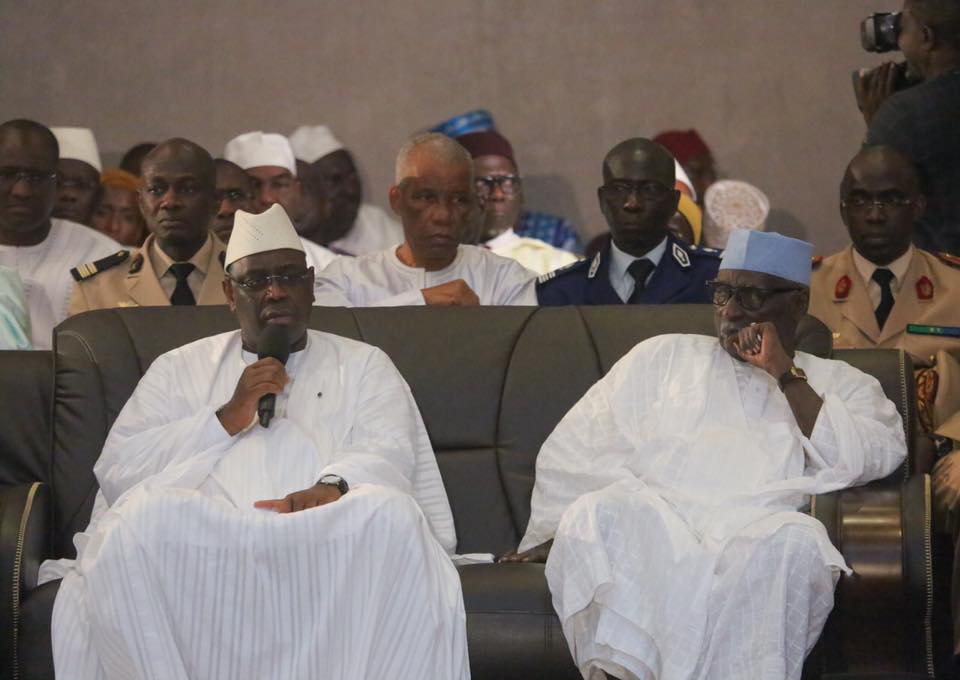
917, 110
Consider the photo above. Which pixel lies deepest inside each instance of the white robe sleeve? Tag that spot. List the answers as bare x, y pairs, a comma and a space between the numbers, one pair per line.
331, 287
157, 428
517, 286
858, 436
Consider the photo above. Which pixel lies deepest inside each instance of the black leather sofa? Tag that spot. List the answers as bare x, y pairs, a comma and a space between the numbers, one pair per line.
491, 384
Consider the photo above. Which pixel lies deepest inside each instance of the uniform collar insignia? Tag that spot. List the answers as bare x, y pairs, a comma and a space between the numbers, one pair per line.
842, 289
680, 255
594, 266
924, 288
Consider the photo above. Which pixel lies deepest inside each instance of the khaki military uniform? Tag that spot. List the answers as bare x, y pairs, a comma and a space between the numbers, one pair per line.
128, 279
928, 295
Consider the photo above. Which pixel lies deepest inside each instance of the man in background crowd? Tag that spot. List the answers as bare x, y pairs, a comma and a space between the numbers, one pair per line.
693, 154
78, 174
234, 192
39, 247
434, 198
340, 219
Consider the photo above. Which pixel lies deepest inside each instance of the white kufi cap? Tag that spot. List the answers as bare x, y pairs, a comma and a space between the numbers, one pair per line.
252, 234
256, 149
730, 205
312, 142
78, 144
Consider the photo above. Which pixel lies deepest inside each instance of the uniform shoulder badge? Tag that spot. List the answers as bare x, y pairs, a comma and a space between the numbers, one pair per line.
842, 290
681, 256
594, 266
924, 288
543, 278
85, 271
137, 264
815, 262
949, 258
704, 250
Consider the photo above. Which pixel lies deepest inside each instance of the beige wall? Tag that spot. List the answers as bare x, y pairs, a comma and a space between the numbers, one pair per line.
767, 82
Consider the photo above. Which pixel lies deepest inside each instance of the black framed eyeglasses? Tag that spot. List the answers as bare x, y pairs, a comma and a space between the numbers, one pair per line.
750, 298
10, 176
647, 190
509, 184
256, 284
860, 201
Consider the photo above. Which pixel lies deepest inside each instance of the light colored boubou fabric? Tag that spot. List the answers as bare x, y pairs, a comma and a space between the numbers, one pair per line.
672, 490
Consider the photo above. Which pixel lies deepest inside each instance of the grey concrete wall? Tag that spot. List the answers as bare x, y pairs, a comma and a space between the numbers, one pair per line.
767, 82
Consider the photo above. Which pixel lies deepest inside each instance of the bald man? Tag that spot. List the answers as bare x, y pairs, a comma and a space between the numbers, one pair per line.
643, 263
181, 262
881, 291
435, 200
39, 247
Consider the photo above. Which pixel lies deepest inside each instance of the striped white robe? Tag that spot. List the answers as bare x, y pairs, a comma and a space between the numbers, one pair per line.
672, 489
178, 576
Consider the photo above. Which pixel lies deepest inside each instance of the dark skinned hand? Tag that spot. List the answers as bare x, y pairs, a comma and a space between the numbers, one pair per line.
873, 87
315, 496
537, 554
266, 376
759, 345
452, 293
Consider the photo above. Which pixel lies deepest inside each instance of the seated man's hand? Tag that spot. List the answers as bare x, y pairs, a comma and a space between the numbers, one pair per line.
316, 495
537, 554
266, 376
455, 292
759, 345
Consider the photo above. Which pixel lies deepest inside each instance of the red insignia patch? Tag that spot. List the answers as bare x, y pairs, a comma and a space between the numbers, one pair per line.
924, 288
842, 289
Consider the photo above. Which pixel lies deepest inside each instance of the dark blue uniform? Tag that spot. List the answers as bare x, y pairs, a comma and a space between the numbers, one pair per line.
680, 277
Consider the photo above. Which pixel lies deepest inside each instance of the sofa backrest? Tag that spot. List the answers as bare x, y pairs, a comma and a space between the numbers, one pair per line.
491, 384
26, 387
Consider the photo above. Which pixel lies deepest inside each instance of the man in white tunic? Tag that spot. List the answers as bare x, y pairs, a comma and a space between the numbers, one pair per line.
672, 492
435, 200
340, 219
313, 546
268, 159
40, 248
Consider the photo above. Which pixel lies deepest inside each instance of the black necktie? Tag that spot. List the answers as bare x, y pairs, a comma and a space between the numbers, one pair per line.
883, 277
182, 295
639, 270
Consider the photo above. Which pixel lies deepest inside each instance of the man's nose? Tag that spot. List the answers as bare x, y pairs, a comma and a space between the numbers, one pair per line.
275, 291
22, 187
631, 202
266, 197
876, 212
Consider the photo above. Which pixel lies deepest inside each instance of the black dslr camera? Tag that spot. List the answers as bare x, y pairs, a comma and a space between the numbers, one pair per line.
879, 32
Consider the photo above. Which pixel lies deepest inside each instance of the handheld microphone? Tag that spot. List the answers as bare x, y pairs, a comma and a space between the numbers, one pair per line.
274, 342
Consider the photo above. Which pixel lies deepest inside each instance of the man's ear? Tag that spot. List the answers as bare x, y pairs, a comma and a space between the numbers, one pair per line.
802, 303
394, 195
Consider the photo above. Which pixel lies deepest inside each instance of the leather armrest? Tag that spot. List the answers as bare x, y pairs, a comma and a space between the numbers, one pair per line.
881, 619
25, 530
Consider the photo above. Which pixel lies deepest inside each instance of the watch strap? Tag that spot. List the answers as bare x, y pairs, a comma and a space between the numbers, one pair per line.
793, 374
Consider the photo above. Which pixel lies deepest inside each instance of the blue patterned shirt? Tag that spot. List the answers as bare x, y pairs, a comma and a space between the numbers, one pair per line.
551, 229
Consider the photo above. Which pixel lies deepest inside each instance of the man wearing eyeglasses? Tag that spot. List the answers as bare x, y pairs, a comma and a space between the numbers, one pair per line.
234, 192
41, 248
668, 501
500, 192
78, 174
181, 262
643, 263
314, 543
881, 290
267, 158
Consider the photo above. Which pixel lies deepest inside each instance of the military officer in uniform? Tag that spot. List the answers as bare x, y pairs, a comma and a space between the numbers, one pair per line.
181, 262
642, 263
881, 291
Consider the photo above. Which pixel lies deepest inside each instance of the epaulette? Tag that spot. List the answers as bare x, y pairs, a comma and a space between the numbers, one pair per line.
704, 250
815, 262
950, 259
85, 271
573, 266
